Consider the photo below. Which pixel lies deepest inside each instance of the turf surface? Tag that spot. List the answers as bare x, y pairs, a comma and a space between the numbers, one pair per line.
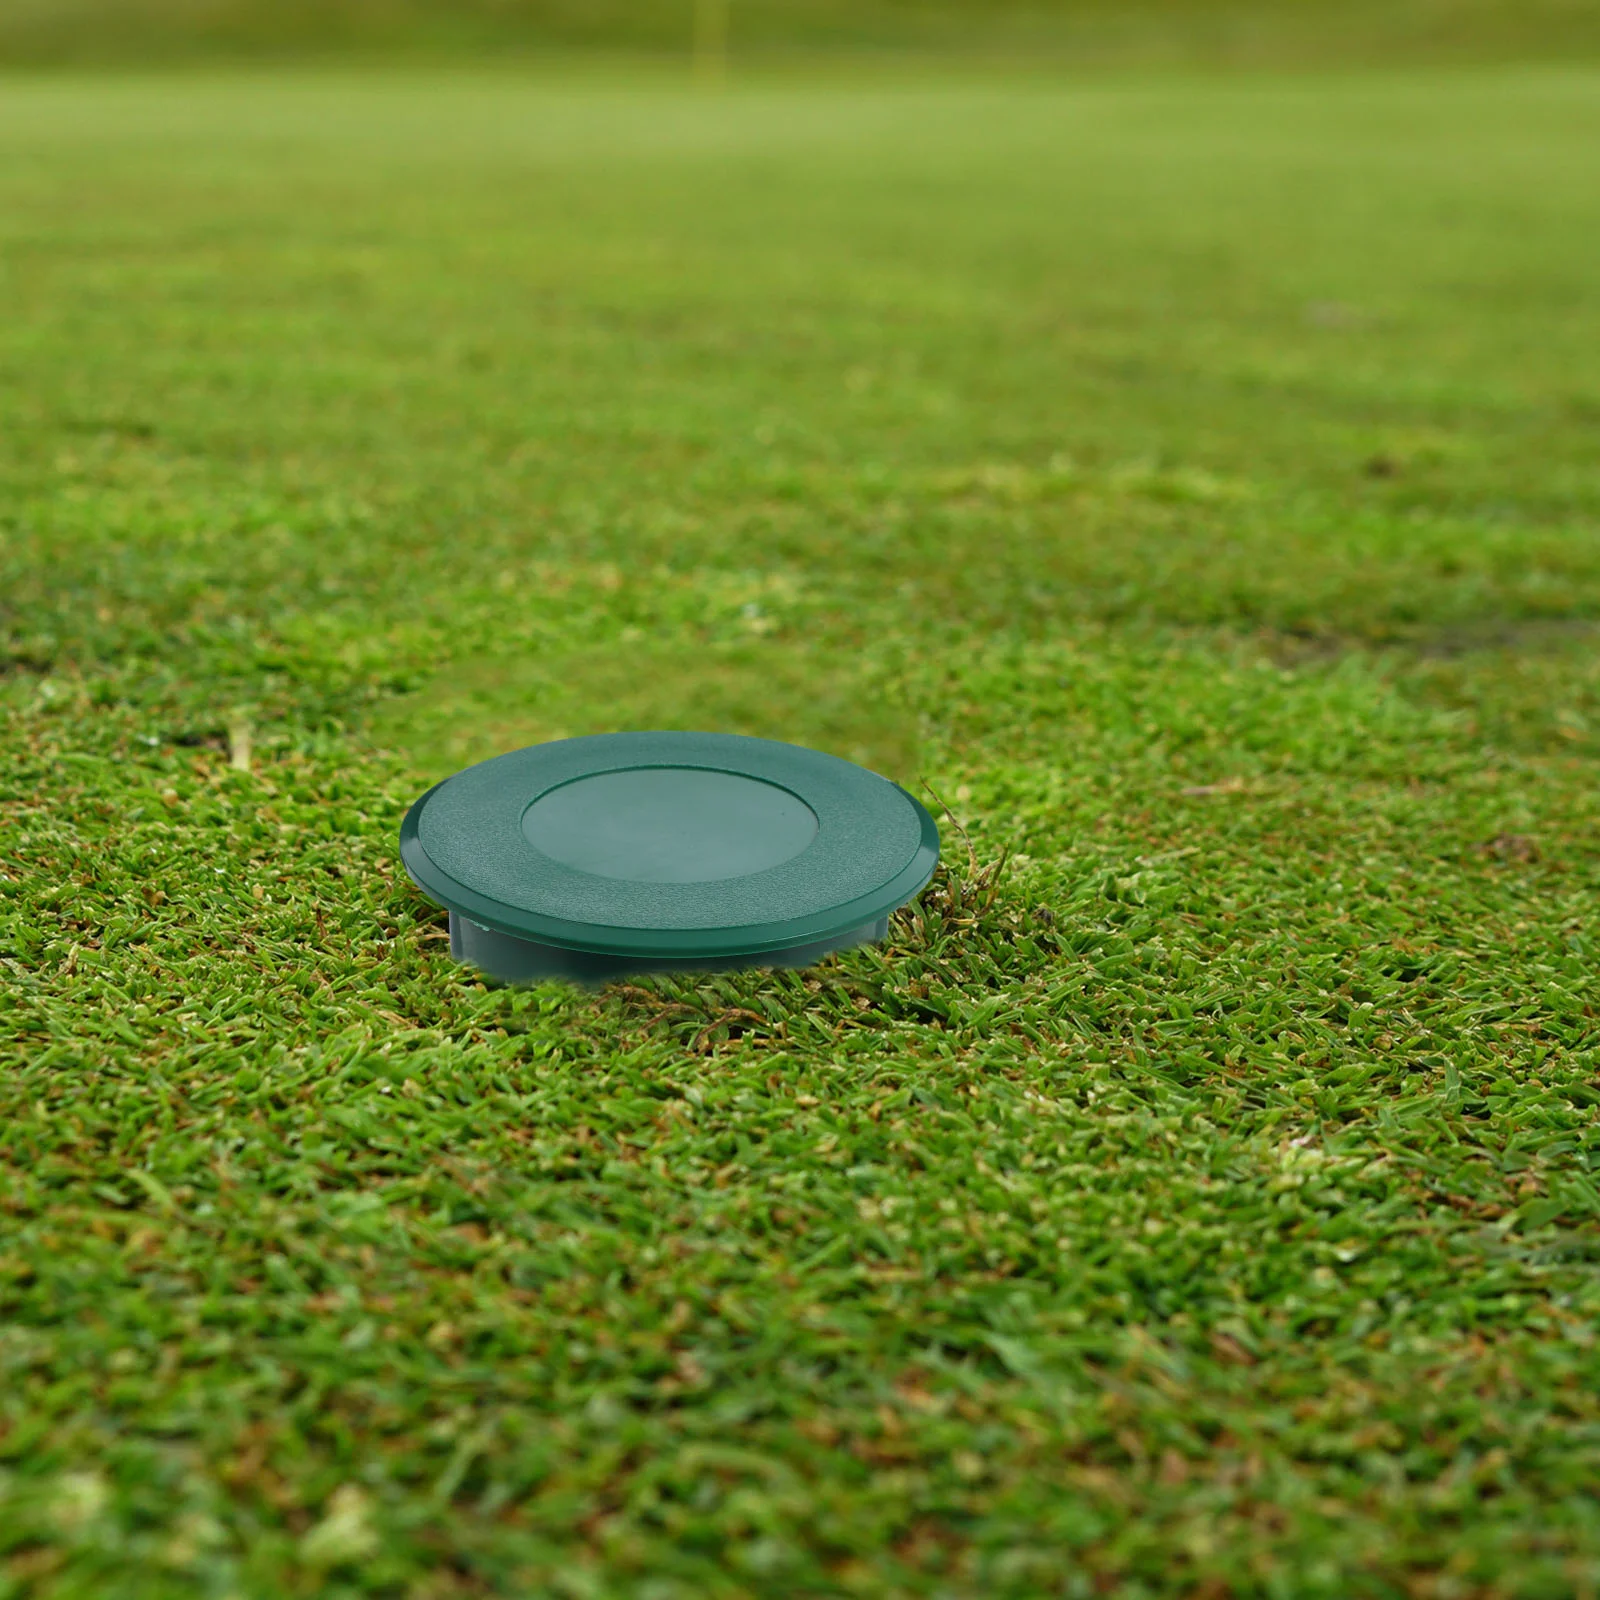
1124, 32
1193, 482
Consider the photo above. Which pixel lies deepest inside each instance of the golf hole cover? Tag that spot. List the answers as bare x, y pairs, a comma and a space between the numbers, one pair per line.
635, 852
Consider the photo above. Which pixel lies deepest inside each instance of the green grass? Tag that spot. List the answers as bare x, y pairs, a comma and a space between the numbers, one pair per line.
1194, 482
1238, 32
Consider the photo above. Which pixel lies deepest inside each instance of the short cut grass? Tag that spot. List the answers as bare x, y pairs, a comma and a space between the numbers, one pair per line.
1192, 482
1081, 32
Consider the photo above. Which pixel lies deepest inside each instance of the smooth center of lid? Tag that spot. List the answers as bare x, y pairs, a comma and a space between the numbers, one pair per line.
669, 825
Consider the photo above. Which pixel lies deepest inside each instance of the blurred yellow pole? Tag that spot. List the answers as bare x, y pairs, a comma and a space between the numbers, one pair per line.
711, 41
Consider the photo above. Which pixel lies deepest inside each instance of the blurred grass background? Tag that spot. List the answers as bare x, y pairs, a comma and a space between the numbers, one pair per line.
1289, 32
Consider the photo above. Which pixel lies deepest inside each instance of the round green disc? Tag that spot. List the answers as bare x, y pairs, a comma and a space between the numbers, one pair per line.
668, 848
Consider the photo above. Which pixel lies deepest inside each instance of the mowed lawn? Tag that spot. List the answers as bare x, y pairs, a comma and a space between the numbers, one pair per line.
1194, 482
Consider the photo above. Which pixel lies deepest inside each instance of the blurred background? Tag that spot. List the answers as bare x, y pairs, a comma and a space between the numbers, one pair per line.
42, 32
456, 375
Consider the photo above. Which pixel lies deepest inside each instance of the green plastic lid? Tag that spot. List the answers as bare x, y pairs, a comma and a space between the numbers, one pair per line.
636, 851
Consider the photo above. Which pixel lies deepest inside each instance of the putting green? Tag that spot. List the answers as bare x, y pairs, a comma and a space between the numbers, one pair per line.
1192, 480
